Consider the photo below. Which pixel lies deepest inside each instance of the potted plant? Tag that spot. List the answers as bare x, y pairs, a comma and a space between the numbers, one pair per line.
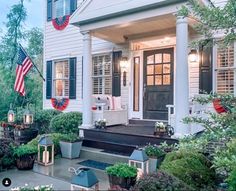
70, 145
156, 156
100, 124
160, 129
121, 174
25, 156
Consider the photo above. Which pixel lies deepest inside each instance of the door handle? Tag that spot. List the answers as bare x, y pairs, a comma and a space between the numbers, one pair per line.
144, 90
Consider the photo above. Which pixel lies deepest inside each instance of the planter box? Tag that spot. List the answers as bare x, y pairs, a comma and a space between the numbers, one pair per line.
122, 182
70, 150
25, 162
155, 163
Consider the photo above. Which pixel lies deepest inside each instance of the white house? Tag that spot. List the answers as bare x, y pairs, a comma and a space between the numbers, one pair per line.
135, 49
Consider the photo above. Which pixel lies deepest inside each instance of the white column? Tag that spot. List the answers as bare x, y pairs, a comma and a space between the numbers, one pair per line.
87, 81
182, 78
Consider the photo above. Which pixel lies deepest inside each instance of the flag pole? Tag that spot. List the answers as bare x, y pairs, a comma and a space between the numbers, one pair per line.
33, 63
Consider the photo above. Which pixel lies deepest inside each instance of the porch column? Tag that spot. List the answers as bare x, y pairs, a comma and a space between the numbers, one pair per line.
182, 78
87, 81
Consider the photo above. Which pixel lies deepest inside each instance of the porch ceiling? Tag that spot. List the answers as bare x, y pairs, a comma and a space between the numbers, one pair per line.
161, 26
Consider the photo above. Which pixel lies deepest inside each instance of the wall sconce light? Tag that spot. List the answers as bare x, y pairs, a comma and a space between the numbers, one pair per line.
10, 115
124, 66
193, 56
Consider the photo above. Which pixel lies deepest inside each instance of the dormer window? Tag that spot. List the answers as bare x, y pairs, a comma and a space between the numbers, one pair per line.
61, 8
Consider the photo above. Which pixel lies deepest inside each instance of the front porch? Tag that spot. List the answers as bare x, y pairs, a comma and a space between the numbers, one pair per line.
155, 44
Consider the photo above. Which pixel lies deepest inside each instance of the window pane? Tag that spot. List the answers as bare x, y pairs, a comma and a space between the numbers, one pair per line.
62, 8
158, 80
150, 80
166, 58
66, 88
158, 58
158, 69
166, 68
150, 69
225, 81
66, 70
225, 56
58, 87
166, 79
108, 84
150, 59
59, 70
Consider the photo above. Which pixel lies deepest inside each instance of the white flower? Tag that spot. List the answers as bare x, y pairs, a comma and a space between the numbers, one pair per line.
26, 184
37, 188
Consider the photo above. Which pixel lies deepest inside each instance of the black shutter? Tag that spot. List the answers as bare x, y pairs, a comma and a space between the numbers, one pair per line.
116, 74
49, 80
72, 90
49, 10
73, 6
205, 68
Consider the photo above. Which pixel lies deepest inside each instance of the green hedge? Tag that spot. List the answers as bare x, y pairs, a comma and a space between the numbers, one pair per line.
66, 123
191, 167
43, 119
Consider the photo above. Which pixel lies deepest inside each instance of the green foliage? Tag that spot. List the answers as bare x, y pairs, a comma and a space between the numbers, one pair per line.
71, 138
6, 152
66, 123
23, 150
232, 180
154, 151
191, 167
161, 181
43, 119
122, 170
213, 19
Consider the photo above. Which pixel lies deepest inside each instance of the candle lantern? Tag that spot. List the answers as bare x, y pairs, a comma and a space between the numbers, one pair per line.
28, 117
84, 180
11, 115
140, 160
45, 151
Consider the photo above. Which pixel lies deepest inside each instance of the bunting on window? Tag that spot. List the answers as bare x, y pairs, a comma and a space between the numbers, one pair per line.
60, 104
219, 107
61, 23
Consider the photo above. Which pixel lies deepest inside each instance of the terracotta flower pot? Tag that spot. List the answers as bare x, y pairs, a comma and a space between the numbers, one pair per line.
25, 162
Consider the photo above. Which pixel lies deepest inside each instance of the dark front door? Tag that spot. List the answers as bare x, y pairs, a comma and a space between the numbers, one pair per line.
158, 83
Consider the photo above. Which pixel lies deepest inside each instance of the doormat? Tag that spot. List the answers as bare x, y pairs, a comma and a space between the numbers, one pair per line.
94, 164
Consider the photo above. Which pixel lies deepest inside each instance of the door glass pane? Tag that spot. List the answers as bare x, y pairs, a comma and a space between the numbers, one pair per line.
158, 69
150, 59
166, 79
150, 81
158, 80
166, 68
136, 83
158, 58
150, 69
166, 58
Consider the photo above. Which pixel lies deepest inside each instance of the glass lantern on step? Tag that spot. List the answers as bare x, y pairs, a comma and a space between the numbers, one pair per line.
45, 151
84, 179
140, 160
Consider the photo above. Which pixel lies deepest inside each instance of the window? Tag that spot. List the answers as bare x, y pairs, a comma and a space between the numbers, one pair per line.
61, 8
102, 74
225, 69
61, 78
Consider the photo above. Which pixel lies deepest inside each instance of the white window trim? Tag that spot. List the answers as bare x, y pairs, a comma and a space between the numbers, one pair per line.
53, 77
102, 76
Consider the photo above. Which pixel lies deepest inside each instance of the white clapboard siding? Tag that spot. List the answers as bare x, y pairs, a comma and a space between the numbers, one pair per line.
193, 79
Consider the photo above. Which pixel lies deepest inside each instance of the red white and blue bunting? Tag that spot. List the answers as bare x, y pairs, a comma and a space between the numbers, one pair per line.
219, 107
60, 104
61, 23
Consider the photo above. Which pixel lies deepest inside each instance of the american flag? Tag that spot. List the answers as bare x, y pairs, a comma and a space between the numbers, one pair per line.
24, 64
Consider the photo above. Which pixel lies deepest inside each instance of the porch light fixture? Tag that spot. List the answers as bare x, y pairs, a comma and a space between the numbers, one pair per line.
124, 62
10, 115
193, 56
124, 66
28, 117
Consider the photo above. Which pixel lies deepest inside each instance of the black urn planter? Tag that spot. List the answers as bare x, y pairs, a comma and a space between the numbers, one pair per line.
122, 182
25, 135
25, 162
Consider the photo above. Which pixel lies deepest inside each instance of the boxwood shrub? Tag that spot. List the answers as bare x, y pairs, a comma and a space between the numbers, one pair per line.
66, 123
191, 167
43, 118
160, 181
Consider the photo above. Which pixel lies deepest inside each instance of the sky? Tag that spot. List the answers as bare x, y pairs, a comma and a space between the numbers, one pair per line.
34, 11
